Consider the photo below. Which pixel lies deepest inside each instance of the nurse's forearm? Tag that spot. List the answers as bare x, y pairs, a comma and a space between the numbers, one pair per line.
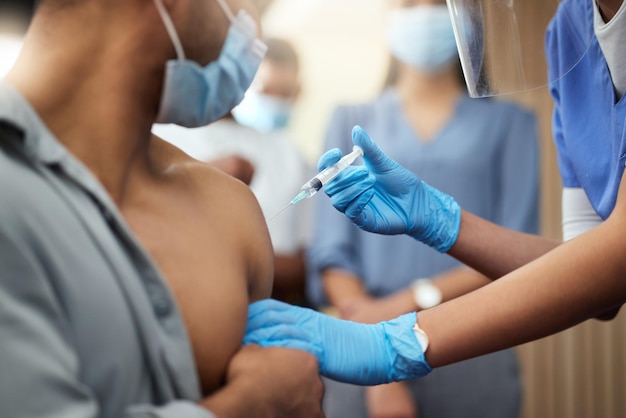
579, 280
458, 281
493, 250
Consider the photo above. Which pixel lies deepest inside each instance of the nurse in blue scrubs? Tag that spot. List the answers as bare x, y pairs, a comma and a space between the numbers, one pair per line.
483, 152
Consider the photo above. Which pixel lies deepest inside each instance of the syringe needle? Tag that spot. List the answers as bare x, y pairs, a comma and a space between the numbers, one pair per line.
312, 186
279, 212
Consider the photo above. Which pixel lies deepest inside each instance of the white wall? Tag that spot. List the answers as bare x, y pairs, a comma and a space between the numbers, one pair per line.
343, 56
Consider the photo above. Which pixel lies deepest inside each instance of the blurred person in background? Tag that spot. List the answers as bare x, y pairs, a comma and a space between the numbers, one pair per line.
252, 143
483, 152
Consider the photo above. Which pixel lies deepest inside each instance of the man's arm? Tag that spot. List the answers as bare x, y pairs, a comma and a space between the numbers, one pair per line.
272, 382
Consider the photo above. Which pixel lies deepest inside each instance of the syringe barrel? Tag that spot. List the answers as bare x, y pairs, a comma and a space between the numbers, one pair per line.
314, 184
333, 171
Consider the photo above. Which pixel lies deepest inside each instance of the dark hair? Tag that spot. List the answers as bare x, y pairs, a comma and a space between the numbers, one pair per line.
15, 15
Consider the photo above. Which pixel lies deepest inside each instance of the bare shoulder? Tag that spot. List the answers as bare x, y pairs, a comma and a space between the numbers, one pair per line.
229, 207
208, 235
209, 183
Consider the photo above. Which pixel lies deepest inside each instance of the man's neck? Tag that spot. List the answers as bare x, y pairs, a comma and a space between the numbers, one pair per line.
99, 97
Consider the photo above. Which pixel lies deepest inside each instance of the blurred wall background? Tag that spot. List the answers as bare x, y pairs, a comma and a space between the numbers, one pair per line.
343, 57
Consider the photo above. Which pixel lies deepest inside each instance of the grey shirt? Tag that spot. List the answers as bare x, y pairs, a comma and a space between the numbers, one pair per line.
88, 326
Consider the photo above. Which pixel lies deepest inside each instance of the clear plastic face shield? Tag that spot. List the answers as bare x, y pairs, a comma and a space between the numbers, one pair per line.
501, 44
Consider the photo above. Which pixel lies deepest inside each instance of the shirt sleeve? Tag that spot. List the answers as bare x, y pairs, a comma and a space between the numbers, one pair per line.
519, 182
39, 367
34, 349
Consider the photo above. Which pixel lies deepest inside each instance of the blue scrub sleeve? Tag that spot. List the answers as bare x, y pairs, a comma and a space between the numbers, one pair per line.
568, 176
554, 43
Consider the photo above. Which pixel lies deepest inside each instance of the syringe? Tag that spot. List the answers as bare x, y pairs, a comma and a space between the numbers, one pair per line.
323, 177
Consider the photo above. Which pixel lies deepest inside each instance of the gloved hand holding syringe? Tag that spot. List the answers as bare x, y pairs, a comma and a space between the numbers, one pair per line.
322, 178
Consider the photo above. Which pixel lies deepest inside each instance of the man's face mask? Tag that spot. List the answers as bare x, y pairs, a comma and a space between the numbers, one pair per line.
194, 96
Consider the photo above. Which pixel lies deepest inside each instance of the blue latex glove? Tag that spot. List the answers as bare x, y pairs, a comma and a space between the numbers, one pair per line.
386, 198
347, 351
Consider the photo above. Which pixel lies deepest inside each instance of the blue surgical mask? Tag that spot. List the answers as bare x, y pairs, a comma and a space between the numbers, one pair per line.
422, 37
194, 96
263, 112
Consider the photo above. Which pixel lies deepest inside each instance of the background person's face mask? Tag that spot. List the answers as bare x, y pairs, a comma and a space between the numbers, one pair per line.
422, 37
194, 96
262, 112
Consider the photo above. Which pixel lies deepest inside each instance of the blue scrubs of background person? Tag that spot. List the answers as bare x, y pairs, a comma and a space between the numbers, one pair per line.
544, 286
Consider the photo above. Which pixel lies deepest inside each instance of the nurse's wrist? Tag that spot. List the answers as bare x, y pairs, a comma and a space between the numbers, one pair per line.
444, 214
407, 342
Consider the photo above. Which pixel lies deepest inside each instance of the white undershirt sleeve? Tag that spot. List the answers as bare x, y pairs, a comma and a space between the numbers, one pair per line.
578, 214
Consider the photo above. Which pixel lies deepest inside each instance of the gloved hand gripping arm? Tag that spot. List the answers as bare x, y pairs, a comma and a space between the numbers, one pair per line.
386, 198
347, 351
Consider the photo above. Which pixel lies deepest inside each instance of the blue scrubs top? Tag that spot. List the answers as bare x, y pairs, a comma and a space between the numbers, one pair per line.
486, 157
588, 120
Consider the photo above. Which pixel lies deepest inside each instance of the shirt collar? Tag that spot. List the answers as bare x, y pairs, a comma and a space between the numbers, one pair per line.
41, 145
38, 141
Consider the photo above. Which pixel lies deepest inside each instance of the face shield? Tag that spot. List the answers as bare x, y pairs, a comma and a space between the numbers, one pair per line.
501, 44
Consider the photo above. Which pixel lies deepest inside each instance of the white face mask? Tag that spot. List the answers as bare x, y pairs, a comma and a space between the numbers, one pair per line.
263, 112
422, 37
194, 96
